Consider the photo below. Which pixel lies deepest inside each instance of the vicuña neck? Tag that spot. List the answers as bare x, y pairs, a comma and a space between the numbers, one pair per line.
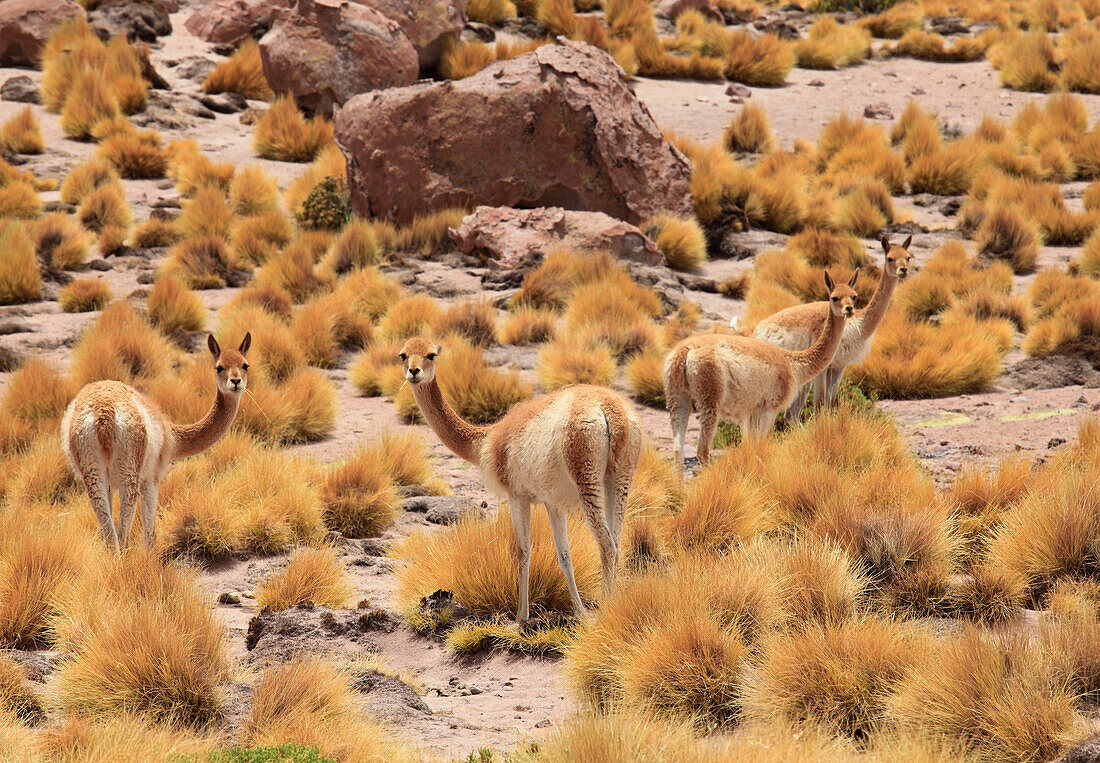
195, 438
872, 315
460, 436
808, 363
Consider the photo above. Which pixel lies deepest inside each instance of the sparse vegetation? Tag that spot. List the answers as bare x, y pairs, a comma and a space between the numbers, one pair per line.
84, 295
285, 135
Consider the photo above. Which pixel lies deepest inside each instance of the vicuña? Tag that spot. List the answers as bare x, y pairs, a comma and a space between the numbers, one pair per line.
576, 447
119, 441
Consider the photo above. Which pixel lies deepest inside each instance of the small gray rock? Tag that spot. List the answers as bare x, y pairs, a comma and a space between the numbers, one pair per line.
20, 90
224, 103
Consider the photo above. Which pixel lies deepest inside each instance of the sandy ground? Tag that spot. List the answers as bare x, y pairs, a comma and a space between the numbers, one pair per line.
518, 697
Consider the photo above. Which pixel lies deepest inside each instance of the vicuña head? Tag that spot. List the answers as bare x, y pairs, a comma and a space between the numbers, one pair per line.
230, 365
897, 257
574, 448
119, 441
418, 355
842, 296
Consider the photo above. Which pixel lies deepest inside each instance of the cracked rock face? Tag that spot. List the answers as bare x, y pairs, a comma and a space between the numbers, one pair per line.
555, 127
25, 25
326, 51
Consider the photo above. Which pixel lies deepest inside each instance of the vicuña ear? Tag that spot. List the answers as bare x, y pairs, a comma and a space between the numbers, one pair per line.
829, 282
212, 343
855, 275
246, 343
438, 349
885, 244
908, 240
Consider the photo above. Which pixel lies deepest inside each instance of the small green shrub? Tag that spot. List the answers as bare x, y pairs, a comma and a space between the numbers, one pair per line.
326, 207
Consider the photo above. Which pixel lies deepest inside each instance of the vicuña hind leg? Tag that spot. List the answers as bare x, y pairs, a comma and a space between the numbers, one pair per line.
150, 492
127, 510
708, 425
679, 409
99, 493
592, 505
521, 526
565, 558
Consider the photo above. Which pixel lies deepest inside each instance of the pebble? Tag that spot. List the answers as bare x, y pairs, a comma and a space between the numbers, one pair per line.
229, 597
474, 689
543, 724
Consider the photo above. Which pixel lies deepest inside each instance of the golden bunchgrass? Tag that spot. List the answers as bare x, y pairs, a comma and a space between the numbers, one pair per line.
120, 345
721, 510
203, 262
19, 201
311, 576
894, 22
1007, 235
645, 374
105, 207
241, 73
377, 370
487, 581
253, 191
310, 701
831, 45
749, 131
19, 277
59, 242
172, 306
84, 295
561, 364
21, 134
135, 156
285, 135
528, 325
410, 316
359, 495
155, 232
681, 239
476, 320
85, 178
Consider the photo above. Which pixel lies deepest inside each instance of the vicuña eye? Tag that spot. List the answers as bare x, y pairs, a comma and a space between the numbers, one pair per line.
430, 356
836, 299
219, 369
244, 367
403, 357
889, 259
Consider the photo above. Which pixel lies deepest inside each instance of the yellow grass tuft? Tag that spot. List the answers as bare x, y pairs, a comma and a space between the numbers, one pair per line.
410, 316
561, 364
207, 213
105, 207
253, 191
59, 242
172, 306
111, 240
475, 320
681, 239
1007, 235
120, 345
85, 295
490, 11
377, 370
285, 135
528, 325
154, 233
721, 510
19, 201
311, 576
946, 172
359, 496
242, 73
309, 701
136, 156
749, 131
645, 374
830, 45
89, 102
759, 61
203, 262
258, 238
1029, 63
21, 134
893, 22
355, 248
19, 277
85, 178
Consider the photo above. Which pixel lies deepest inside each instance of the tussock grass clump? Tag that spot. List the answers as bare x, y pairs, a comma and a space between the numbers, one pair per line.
324, 327
193, 170
721, 509
203, 262
475, 558
135, 156
993, 693
528, 325
916, 360
293, 271
85, 178
476, 320
59, 242
838, 676
105, 207
598, 314
563, 363
894, 21
1005, 234
15, 696
37, 558
354, 249
125, 738
37, 393
759, 61
276, 353
21, 134
749, 131
156, 232
926, 46
645, 374
681, 239
830, 45
311, 576
85, 295
329, 163
207, 213
111, 240
989, 595
947, 172
410, 316
822, 583
177, 672
427, 234
120, 345
172, 306
285, 135
359, 496
20, 280
89, 102
253, 191
1089, 262
309, 701
19, 201
1029, 63
490, 11
258, 238
377, 370
1073, 330
242, 73
477, 391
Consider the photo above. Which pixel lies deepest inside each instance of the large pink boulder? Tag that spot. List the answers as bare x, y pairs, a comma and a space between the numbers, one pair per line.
427, 23
555, 127
509, 236
326, 51
26, 25
227, 22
